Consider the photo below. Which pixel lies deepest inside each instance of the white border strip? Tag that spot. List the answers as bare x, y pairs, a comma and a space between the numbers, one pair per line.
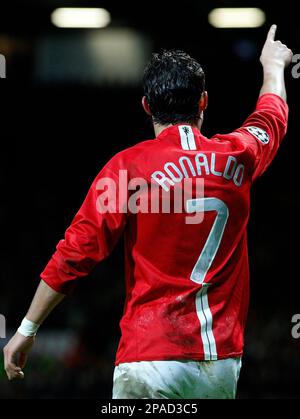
206, 325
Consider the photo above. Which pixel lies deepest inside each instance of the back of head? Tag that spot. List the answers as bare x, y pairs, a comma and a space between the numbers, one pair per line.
173, 85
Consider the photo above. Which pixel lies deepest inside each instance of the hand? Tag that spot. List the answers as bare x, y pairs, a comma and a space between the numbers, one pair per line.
15, 355
275, 53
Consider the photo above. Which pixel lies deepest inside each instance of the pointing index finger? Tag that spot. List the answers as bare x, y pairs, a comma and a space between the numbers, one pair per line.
272, 33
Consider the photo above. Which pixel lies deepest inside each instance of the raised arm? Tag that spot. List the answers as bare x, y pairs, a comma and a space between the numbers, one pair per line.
275, 57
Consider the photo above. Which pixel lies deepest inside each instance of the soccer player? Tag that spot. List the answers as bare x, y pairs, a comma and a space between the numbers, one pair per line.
186, 282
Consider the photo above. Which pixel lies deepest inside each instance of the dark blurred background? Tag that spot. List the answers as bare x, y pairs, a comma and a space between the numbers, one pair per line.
70, 101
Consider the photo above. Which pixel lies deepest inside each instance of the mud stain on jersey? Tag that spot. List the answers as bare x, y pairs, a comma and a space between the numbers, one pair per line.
178, 318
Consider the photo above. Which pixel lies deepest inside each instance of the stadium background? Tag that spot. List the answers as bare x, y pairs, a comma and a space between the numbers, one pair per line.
70, 101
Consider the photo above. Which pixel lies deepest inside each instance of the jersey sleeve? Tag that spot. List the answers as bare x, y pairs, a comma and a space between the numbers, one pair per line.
264, 130
91, 236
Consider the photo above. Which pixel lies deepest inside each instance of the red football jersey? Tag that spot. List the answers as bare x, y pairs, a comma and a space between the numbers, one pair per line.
187, 284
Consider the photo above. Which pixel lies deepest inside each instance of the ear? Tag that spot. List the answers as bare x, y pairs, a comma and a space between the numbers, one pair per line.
203, 101
146, 106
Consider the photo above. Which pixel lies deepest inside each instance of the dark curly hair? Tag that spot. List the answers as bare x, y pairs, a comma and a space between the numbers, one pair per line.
173, 83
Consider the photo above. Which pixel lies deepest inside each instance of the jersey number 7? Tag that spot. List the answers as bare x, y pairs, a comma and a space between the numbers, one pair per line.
202, 266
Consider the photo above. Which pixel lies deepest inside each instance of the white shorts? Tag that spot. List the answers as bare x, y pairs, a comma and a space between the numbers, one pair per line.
177, 379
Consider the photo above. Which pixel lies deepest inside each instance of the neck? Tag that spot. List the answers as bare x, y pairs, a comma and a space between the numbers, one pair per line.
158, 128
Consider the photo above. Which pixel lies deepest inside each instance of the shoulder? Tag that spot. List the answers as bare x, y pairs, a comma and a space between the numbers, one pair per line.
230, 141
135, 151
126, 158
237, 143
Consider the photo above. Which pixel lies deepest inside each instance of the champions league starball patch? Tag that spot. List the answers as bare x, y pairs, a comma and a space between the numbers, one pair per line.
260, 134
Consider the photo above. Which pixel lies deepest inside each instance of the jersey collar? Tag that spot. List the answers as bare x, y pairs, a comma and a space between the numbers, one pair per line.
174, 130
184, 134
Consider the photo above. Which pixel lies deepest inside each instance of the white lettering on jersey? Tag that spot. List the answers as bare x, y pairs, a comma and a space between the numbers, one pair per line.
259, 134
199, 165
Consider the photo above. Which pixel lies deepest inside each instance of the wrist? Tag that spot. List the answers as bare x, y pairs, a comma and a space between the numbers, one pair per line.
28, 328
272, 67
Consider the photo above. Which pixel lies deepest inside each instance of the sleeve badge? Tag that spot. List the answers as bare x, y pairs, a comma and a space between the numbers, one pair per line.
259, 134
